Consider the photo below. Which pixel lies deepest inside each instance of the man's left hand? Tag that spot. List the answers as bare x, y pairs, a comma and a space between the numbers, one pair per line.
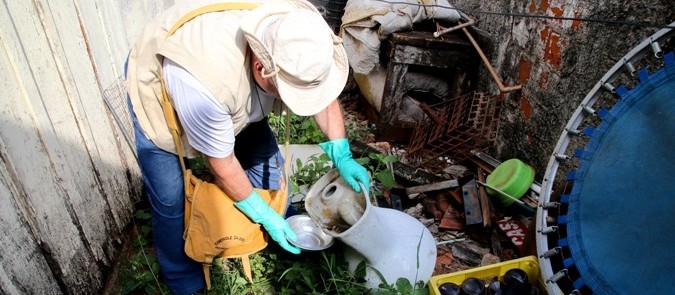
351, 171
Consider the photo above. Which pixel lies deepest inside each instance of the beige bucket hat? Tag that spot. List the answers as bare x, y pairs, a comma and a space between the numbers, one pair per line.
300, 52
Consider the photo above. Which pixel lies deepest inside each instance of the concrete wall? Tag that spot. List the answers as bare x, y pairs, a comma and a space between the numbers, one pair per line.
557, 61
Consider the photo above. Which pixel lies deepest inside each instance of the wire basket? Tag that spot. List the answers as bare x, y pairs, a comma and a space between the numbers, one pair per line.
115, 98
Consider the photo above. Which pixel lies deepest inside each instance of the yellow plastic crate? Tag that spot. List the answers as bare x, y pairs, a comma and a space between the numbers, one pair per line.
529, 264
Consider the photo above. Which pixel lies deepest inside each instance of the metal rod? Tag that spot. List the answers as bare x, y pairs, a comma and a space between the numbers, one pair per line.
470, 22
492, 71
609, 87
502, 193
486, 158
572, 131
561, 157
589, 110
431, 113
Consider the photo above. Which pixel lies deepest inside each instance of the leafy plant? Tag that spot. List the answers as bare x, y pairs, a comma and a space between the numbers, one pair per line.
199, 167
310, 273
227, 275
383, 177
332, 277
228, 281
403, 287
356, 130
309, 172
139, 275
303, 130
381, 173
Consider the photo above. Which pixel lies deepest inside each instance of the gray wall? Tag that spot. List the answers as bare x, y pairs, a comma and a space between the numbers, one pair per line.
68, 179
557, 62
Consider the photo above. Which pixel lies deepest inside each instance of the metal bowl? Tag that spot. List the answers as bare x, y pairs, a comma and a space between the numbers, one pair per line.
309, 234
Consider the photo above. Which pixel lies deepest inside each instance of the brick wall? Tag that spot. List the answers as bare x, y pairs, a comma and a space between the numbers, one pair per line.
557, 61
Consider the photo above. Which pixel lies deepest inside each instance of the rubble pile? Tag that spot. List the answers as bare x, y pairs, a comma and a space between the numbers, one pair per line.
471, 227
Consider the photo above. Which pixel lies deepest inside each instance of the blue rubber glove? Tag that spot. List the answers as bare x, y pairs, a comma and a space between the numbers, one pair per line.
260, 212
352, 172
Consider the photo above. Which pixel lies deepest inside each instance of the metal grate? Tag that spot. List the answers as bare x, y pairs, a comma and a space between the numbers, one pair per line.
457, 126
115, 98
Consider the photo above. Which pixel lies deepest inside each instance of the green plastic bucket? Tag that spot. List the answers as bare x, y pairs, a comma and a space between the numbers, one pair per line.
512, 177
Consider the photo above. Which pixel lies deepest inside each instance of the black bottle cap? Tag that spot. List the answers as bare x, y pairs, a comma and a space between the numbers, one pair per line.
473, 286
449, 289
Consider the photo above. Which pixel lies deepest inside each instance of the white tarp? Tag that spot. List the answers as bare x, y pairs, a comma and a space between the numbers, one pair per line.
366, 23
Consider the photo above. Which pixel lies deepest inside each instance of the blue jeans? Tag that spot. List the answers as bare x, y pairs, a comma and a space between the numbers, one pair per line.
255, 148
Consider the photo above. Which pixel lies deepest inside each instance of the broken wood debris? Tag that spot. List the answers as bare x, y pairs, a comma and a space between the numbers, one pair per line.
414, 191
472, 211
469, 227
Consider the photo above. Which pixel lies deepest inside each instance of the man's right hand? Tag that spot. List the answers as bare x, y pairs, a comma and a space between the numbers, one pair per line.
260, 212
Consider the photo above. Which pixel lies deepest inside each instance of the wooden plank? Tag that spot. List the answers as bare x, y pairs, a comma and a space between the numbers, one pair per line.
44, 149
44, 207
109, 28
23, 268
402, 171
94, 125
426, 39
437, 58
432, 187
65, 171
60, 97
392, 94
485, 204
472, 211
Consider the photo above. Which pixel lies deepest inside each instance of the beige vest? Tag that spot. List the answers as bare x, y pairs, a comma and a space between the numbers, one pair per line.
210, 46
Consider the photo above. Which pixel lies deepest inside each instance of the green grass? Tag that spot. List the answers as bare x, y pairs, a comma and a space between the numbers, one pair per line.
274, 270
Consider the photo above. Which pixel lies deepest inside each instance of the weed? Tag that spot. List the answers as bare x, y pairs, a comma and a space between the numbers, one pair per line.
199, 167
357, 130
274, 272
227, 276
380, 170
403, 285
139, 274
309, 172
228, 281
303, 130
306, 276
383, 177
311, 273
